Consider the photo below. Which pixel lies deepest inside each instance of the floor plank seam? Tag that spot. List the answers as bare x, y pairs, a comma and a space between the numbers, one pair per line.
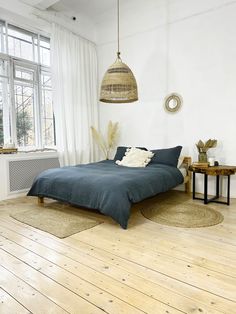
39, 270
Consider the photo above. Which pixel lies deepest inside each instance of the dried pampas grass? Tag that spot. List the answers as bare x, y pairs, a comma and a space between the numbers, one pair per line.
107, 144
99, 140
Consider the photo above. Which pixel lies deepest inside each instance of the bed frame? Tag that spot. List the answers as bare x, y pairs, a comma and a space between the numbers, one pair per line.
187, 180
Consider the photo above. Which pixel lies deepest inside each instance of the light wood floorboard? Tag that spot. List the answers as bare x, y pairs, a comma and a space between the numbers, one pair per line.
148, 268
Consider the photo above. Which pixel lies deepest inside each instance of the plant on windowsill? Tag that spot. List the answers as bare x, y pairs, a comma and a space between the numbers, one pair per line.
203, 148
106, 143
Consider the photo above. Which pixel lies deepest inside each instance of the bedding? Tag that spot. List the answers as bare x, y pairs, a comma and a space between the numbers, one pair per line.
105, 186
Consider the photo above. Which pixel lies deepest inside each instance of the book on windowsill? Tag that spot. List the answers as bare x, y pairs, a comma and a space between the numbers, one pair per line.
8, 150
200, 164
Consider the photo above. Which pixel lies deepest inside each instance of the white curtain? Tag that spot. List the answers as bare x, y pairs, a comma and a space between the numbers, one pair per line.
74, 75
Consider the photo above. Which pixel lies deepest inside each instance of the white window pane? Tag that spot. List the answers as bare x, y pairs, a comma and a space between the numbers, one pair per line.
1, 123
24, 104
18, 34
20, 44
35, 48
4, 112
5, 127
23, 74
1, 112
20, 49
46, 81
2, 37
47, 119
45, 56
4, 68
47, 112
45, 51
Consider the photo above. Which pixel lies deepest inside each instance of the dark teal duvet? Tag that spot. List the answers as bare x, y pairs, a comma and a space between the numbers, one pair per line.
105, 186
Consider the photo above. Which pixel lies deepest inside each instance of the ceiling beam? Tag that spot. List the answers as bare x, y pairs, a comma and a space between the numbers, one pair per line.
31, 2
40, 4
45, 4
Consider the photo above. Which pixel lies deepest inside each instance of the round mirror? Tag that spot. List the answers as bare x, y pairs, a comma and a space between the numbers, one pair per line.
173, 102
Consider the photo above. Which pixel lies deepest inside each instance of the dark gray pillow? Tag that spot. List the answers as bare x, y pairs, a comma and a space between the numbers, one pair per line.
167, 156
120, 152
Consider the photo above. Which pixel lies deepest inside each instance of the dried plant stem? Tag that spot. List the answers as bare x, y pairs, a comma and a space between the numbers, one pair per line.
108, 143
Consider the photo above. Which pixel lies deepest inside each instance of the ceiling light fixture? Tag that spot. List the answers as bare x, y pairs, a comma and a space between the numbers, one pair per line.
118, 84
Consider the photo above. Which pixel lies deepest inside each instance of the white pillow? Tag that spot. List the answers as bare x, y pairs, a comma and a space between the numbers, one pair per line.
135, 157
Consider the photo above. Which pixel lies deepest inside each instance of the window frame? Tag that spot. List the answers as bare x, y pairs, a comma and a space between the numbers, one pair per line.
38, 69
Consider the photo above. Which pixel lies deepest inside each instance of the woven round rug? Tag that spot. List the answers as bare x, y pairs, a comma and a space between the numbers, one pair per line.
185, 215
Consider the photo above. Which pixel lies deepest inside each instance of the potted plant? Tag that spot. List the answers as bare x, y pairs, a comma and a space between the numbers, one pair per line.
203, 148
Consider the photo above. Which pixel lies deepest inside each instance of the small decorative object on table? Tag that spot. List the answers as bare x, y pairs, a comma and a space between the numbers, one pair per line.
211, 161
203, 148
200, 165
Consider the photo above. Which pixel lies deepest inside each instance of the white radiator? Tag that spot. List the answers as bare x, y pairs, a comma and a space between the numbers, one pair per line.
18, 171
23, 172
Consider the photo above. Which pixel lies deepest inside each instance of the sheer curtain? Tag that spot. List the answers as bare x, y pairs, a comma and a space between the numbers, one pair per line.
74, 73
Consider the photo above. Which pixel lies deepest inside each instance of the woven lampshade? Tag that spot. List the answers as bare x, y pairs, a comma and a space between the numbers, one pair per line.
119, 84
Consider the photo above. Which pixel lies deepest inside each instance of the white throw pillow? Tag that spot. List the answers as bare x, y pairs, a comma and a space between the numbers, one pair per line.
135, 157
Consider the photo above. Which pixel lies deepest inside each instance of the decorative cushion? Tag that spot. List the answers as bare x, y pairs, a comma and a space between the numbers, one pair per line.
167, 156
135, 157
121, 150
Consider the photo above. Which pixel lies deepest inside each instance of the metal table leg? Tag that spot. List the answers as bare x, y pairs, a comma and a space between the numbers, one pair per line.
217, 186
205, 188
228, 192
194, 174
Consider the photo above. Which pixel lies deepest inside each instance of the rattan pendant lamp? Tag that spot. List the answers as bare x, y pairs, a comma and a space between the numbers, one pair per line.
118, 84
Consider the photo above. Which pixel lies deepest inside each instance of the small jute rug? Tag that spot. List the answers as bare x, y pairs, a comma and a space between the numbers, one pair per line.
58, 219
173, 212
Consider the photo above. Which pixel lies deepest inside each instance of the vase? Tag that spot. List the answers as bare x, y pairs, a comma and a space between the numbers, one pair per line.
202, 157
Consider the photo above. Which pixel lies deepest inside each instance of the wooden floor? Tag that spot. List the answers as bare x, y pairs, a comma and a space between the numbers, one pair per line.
149, 268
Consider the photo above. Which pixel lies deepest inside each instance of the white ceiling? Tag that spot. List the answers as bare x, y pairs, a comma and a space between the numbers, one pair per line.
90, 14
93, 10
89, 8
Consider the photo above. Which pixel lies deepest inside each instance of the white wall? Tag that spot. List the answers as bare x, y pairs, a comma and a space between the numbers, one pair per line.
187, 47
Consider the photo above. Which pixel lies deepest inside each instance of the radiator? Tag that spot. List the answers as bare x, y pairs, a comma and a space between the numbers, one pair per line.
22, 172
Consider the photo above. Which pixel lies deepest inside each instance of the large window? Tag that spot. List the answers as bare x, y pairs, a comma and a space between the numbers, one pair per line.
26, 111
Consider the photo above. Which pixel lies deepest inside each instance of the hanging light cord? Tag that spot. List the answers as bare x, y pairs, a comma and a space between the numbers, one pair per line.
118, 28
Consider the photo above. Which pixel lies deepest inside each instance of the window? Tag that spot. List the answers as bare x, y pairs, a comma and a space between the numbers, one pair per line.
26, 111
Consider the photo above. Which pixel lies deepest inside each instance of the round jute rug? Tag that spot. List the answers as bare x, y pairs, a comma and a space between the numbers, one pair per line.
185, 215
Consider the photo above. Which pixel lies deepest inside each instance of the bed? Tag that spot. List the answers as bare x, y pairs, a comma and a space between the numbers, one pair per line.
108, 187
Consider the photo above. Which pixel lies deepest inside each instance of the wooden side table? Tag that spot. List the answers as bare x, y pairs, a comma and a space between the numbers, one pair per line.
216, 171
